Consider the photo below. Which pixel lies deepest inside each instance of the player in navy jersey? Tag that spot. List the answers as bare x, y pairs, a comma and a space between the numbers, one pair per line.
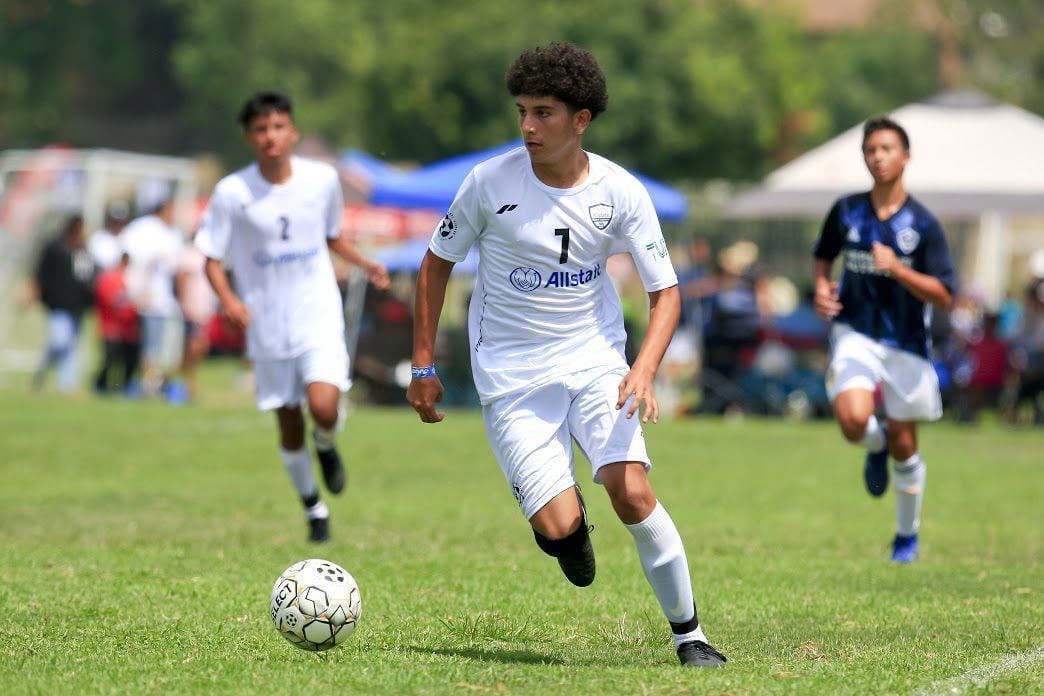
897, 267
546, 329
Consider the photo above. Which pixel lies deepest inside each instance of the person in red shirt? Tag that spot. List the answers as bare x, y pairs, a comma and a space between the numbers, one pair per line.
988, 358
119, 328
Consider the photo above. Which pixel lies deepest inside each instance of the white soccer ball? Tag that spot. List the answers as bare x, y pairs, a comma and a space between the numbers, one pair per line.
316, 604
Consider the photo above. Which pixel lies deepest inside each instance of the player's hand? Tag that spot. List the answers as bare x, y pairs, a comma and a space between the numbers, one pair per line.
639, 386
236, 313
827, 304
423, 393
377, 274
884, 258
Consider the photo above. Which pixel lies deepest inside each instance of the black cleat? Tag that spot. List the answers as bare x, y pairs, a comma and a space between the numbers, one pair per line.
579, 564
875, 472
334, 475
574, 553
696, 653
319, 530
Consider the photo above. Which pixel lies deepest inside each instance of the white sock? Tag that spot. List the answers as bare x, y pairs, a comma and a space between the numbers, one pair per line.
299, 465
324, 439
874, 437
908, 480
319, 511
663, 559
695, 634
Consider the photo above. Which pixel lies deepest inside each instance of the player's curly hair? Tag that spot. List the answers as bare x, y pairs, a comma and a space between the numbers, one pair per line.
563, 71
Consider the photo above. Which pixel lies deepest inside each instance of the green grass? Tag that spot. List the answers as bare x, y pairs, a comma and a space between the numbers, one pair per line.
139, 544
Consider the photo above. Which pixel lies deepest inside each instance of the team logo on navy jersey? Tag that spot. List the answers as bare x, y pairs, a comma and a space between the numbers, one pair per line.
853, 235
601, 215
907, 240
525, 279
448, 228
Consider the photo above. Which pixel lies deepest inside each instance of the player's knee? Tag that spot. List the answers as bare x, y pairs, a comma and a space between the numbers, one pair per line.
564, 546
632, 506
853, 425
324, 415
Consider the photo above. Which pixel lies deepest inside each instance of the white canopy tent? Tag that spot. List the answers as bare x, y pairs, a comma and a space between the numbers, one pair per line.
971, 159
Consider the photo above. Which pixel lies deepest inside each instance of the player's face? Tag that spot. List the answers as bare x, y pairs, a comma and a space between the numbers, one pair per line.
885, 156
271, 135
551, 133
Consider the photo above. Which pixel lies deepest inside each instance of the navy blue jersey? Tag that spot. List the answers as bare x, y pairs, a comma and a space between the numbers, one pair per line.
871, 302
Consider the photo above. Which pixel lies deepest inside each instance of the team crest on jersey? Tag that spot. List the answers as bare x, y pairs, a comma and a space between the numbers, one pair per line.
525, 279
601, 215
448, 227
907, 240
853, 235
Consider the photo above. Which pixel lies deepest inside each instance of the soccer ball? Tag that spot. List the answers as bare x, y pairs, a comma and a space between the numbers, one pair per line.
316, 604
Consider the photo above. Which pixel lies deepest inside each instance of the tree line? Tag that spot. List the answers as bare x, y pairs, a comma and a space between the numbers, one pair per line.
699, 89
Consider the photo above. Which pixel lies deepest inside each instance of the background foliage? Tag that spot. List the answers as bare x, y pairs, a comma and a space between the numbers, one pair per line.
700, 89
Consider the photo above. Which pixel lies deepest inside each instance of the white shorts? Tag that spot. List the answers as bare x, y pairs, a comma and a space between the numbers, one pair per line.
285, 382
532, 433
908, 382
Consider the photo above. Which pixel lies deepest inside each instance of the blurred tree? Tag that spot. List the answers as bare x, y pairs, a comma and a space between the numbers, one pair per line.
87, 72
699, 89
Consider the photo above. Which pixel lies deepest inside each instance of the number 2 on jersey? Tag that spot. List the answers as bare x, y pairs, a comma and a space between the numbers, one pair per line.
284, 227
563, 232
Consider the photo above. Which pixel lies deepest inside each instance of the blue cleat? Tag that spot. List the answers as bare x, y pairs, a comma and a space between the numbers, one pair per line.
904, 548
875, 472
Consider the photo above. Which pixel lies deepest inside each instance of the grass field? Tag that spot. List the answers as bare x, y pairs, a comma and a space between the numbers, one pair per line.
139, 544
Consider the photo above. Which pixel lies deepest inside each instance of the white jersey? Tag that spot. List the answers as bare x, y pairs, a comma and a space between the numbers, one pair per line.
544, 305
274, 237
155, 249
104, 247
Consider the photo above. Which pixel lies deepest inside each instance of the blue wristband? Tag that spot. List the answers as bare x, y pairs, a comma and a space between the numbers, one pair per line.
421, 372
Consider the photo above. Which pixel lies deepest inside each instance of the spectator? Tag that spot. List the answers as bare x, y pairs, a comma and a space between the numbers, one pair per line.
155, 248
119, 328
62, 281
1027, 354
987, 368
732, 329
104, 245
198, 304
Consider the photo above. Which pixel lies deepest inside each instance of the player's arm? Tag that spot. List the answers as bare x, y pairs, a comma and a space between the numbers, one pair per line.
926, 288
664, 310
826, 302
425, 391
232, 307
375, 271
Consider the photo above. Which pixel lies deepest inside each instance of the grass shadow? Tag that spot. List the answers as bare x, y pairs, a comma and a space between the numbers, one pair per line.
525, 657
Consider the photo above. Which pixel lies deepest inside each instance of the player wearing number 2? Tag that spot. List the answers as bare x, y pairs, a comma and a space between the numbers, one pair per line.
274, 223
546, 328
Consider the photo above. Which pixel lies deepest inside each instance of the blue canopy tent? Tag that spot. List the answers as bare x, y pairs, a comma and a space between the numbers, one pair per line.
434, 186
405, 257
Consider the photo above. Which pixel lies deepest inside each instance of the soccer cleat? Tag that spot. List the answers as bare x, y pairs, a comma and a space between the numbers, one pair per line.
696, 653
574, 553
578, 565
334, 475
904, 548
319, 529
875, 471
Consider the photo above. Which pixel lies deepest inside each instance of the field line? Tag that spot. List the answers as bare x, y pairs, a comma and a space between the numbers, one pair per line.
981, 676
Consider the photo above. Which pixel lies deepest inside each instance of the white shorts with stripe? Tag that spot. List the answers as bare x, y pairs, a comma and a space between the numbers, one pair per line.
909, 384
285, 382
532, 433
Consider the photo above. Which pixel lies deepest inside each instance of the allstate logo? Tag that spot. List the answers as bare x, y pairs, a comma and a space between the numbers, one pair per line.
525, 279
